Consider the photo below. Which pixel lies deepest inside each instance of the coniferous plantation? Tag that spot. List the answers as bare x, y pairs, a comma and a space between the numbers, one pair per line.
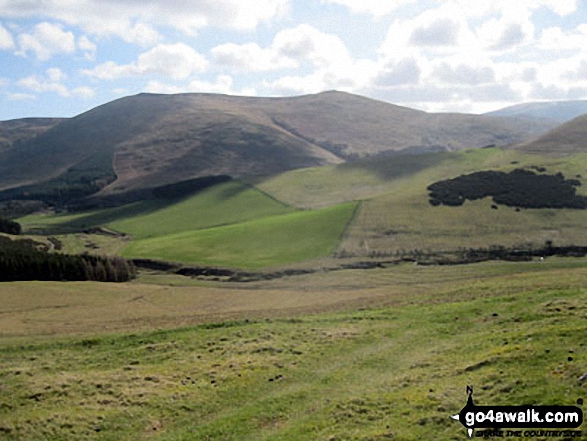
518, 188
9, 227
21, 260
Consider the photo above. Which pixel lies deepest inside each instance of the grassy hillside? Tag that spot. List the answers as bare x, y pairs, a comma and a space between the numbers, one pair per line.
264, 242
222, 204
567, 139
397, 215
20, 130
229, 224
513, 331
152, 140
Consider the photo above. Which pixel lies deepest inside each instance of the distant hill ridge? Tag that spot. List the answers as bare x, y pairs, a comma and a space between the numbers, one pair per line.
568, 139
150, 140
561, 111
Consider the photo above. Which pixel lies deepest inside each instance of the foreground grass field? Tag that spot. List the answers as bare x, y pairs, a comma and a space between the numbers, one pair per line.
516, 332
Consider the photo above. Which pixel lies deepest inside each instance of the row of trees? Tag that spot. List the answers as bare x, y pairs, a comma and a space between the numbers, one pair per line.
21, 261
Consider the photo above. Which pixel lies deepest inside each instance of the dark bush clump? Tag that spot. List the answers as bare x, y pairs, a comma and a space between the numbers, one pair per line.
519, 188
10, 227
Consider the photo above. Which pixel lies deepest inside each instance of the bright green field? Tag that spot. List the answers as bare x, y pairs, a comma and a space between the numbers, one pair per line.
269, 241
222, 204
393, 373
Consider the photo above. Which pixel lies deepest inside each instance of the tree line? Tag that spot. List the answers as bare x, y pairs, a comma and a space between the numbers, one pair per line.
8, 226
20, 260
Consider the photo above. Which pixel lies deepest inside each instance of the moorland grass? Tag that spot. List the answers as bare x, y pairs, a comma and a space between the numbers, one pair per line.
373, 374
396, 215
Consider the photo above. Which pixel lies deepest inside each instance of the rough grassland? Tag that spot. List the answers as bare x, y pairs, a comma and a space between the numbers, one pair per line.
396, 214
159, 300
265, 242
516, 332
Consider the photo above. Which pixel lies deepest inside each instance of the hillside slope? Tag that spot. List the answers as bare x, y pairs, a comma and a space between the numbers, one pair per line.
20, 130
149, 140
568, 139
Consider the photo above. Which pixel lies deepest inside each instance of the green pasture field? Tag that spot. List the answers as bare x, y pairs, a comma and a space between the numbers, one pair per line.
396, 216
276, 371
223, 204
265, 242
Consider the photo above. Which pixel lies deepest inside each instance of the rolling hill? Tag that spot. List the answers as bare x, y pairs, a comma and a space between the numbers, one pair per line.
148, 140
312, 213
568, 139
561, 111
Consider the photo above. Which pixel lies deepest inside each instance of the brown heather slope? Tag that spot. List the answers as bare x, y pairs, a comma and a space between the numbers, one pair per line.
20, 130
153, 140
568, 139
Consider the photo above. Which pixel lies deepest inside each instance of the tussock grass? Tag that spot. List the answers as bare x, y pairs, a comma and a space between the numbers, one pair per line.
388, 373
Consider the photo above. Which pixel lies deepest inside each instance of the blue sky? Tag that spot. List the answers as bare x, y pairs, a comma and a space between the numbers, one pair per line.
62, 57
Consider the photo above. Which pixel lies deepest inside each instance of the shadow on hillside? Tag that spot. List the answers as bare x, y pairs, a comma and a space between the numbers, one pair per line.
142, 203
395, 166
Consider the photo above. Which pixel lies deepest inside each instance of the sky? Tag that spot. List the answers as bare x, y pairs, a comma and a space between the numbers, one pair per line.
64, 57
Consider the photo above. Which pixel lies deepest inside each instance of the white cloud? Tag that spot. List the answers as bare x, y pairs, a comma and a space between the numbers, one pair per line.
83, 92
249, 57
373, 7
290, 48
508, 8
556, 40
41, 85
137, 21
52, 82
56, 75
222, 84
505, 34
21, 97
177, 61
470, 8
46, 40
89, 48
306, 43
6, 40
318, 81
464, 74
441, 32
406, 71
548, 92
